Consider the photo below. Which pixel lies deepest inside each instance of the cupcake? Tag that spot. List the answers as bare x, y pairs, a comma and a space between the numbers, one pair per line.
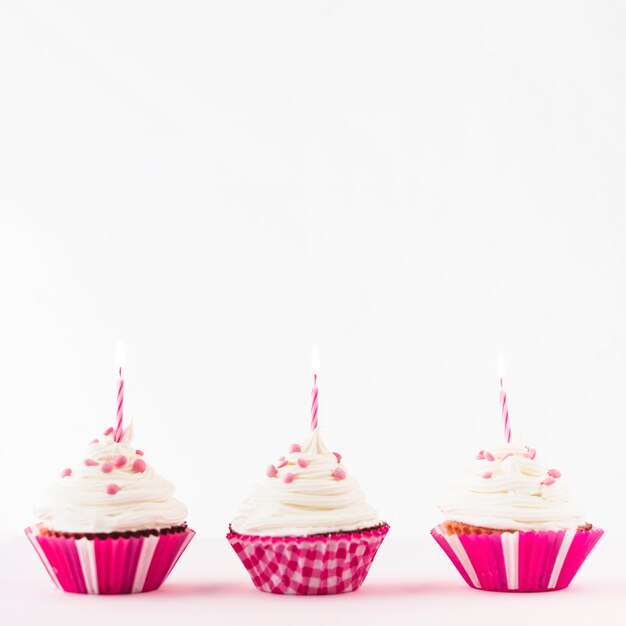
512, 525
307, 528
111, 524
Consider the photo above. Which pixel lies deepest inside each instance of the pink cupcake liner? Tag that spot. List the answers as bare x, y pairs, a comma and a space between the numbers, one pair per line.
519, 561
318, 565
109, 566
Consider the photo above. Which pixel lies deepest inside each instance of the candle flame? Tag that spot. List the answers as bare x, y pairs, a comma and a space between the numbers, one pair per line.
120, 355
501, 367
315, 362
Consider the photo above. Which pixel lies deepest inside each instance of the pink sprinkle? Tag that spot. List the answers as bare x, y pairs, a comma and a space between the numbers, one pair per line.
481, 455
288, 477
139, 465
548, 481
66, 472
339, 473
303, 463
94, 441
139, 452
112, 489
294, 447
554, 473
338, 456
108, 431
282, 464
531, 453
90, 462
271, 471
107, 467
489, 456
119, 460
507, 455
487, 474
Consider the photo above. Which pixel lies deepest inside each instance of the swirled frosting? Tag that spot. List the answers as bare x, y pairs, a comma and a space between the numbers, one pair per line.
308, 492
505, 488
112, 490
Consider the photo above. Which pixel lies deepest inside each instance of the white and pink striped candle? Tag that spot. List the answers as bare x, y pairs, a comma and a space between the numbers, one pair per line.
119, 359
503, 401
315, 368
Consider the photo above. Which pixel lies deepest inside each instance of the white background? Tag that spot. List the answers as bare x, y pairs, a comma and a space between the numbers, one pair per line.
414, 186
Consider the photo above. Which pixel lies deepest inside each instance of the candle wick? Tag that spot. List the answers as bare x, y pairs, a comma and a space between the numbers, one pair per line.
314, 379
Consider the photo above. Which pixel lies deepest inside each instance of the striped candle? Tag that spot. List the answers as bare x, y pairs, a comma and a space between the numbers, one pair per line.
315, 365
505, 413
119, 418
314, 393
120, 407
503, 403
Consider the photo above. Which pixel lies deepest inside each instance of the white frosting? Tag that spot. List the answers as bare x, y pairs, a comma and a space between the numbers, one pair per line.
514, 498
315, 502
80, 503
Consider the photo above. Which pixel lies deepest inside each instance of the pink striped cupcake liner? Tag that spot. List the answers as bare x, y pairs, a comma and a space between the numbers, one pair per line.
109, 566
519, 561
318, 565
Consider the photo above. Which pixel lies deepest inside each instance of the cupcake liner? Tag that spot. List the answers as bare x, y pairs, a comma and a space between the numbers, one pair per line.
519, 561
109, 566
317, 565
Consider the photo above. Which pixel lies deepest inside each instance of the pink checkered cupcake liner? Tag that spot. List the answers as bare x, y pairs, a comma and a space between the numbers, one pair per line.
109, 566
519, 561
318, 565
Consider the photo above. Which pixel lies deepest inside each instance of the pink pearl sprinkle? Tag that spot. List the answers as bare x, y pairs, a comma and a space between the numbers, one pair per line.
480, 456
139, 452
90, 462
139, 465
107, 467
531, 453
294, 447
487, 474
339, 473
271, 471
288, 477
338, 456
119, 460
112, 489
108, 431
303, 463
554, 473
66, 472
548, 481
489, 456
282, 464
94, 441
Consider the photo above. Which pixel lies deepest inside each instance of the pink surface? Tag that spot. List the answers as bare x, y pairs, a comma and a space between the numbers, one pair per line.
308, 565
109, 566
518, 562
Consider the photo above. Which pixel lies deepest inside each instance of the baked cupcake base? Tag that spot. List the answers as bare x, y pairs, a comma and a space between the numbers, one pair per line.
460, 528
109, 563
494, 560
314, 565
